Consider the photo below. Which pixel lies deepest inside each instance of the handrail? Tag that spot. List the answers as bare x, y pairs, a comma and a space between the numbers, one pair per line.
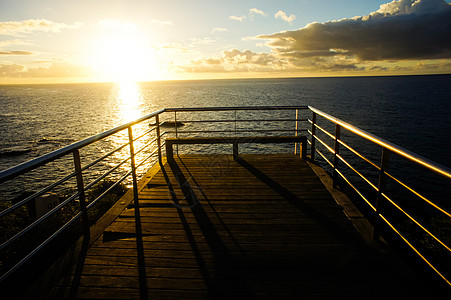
380, 217
232, 108
388, 145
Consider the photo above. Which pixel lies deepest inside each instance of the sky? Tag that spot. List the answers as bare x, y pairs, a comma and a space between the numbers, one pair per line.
54, 41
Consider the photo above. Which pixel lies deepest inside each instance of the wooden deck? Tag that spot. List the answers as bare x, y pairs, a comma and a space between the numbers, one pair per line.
211, 227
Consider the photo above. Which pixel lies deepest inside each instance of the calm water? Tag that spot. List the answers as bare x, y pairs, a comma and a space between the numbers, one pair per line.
413, 112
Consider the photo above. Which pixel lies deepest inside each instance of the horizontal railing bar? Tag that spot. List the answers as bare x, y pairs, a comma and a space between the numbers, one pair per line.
358, 154
103, 157
88, 186
42, 245
190, 109
162, 147
415, 221
325, 145
442, 210
414, 249
388, 145
357, 172
242, 120
356, 190
143, 134
144, 147
149, 156
233, 131
324, 157
38, 221
35, 195
93, 202
46, 158
153, 127
323, 130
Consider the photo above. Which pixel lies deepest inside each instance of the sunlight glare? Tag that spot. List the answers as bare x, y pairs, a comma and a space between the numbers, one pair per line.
125, 56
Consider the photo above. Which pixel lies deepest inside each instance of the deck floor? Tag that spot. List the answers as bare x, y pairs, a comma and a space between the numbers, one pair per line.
212, 227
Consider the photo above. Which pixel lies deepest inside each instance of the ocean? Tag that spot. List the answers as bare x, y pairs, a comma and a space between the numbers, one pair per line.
413, 112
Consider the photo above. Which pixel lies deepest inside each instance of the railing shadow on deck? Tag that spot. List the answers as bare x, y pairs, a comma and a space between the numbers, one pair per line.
223, 261
328, 224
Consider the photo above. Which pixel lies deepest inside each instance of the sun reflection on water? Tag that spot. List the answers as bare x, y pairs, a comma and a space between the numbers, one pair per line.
128, 107
129, 99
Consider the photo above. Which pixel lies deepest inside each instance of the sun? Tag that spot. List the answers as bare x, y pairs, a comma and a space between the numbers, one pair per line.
125, 56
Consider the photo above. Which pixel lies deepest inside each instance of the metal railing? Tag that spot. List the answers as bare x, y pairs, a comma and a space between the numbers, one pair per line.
81, 188
382, 199
233, 124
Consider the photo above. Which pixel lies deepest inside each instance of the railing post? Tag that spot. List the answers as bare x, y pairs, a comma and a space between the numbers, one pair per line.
176, 132
132, 163
138, 227
336, 153
312, 153
81, 190
235, 120
157, 122
380, 190
296, 132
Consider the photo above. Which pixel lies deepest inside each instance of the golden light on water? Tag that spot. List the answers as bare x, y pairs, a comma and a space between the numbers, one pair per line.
129, 99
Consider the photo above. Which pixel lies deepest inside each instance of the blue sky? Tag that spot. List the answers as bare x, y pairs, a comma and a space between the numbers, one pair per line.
116, 40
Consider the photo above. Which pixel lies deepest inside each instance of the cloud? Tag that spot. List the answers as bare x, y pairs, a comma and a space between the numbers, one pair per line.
400, 30
15, 52
201, 41
240, 18
14, 28
174, 47
204, 65
11, 70
54, 70
218, 29
116, 23
282, 15
234, 60
235, 56
255, 11
53, 60
407, 7
162, 23
402, 37
11, 42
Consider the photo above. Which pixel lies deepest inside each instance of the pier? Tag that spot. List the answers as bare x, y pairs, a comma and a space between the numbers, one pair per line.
227, 223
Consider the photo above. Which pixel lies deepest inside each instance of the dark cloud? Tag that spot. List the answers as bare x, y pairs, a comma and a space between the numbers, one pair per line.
400, 30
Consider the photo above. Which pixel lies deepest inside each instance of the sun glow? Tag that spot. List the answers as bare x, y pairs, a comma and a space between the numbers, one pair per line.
125, 56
